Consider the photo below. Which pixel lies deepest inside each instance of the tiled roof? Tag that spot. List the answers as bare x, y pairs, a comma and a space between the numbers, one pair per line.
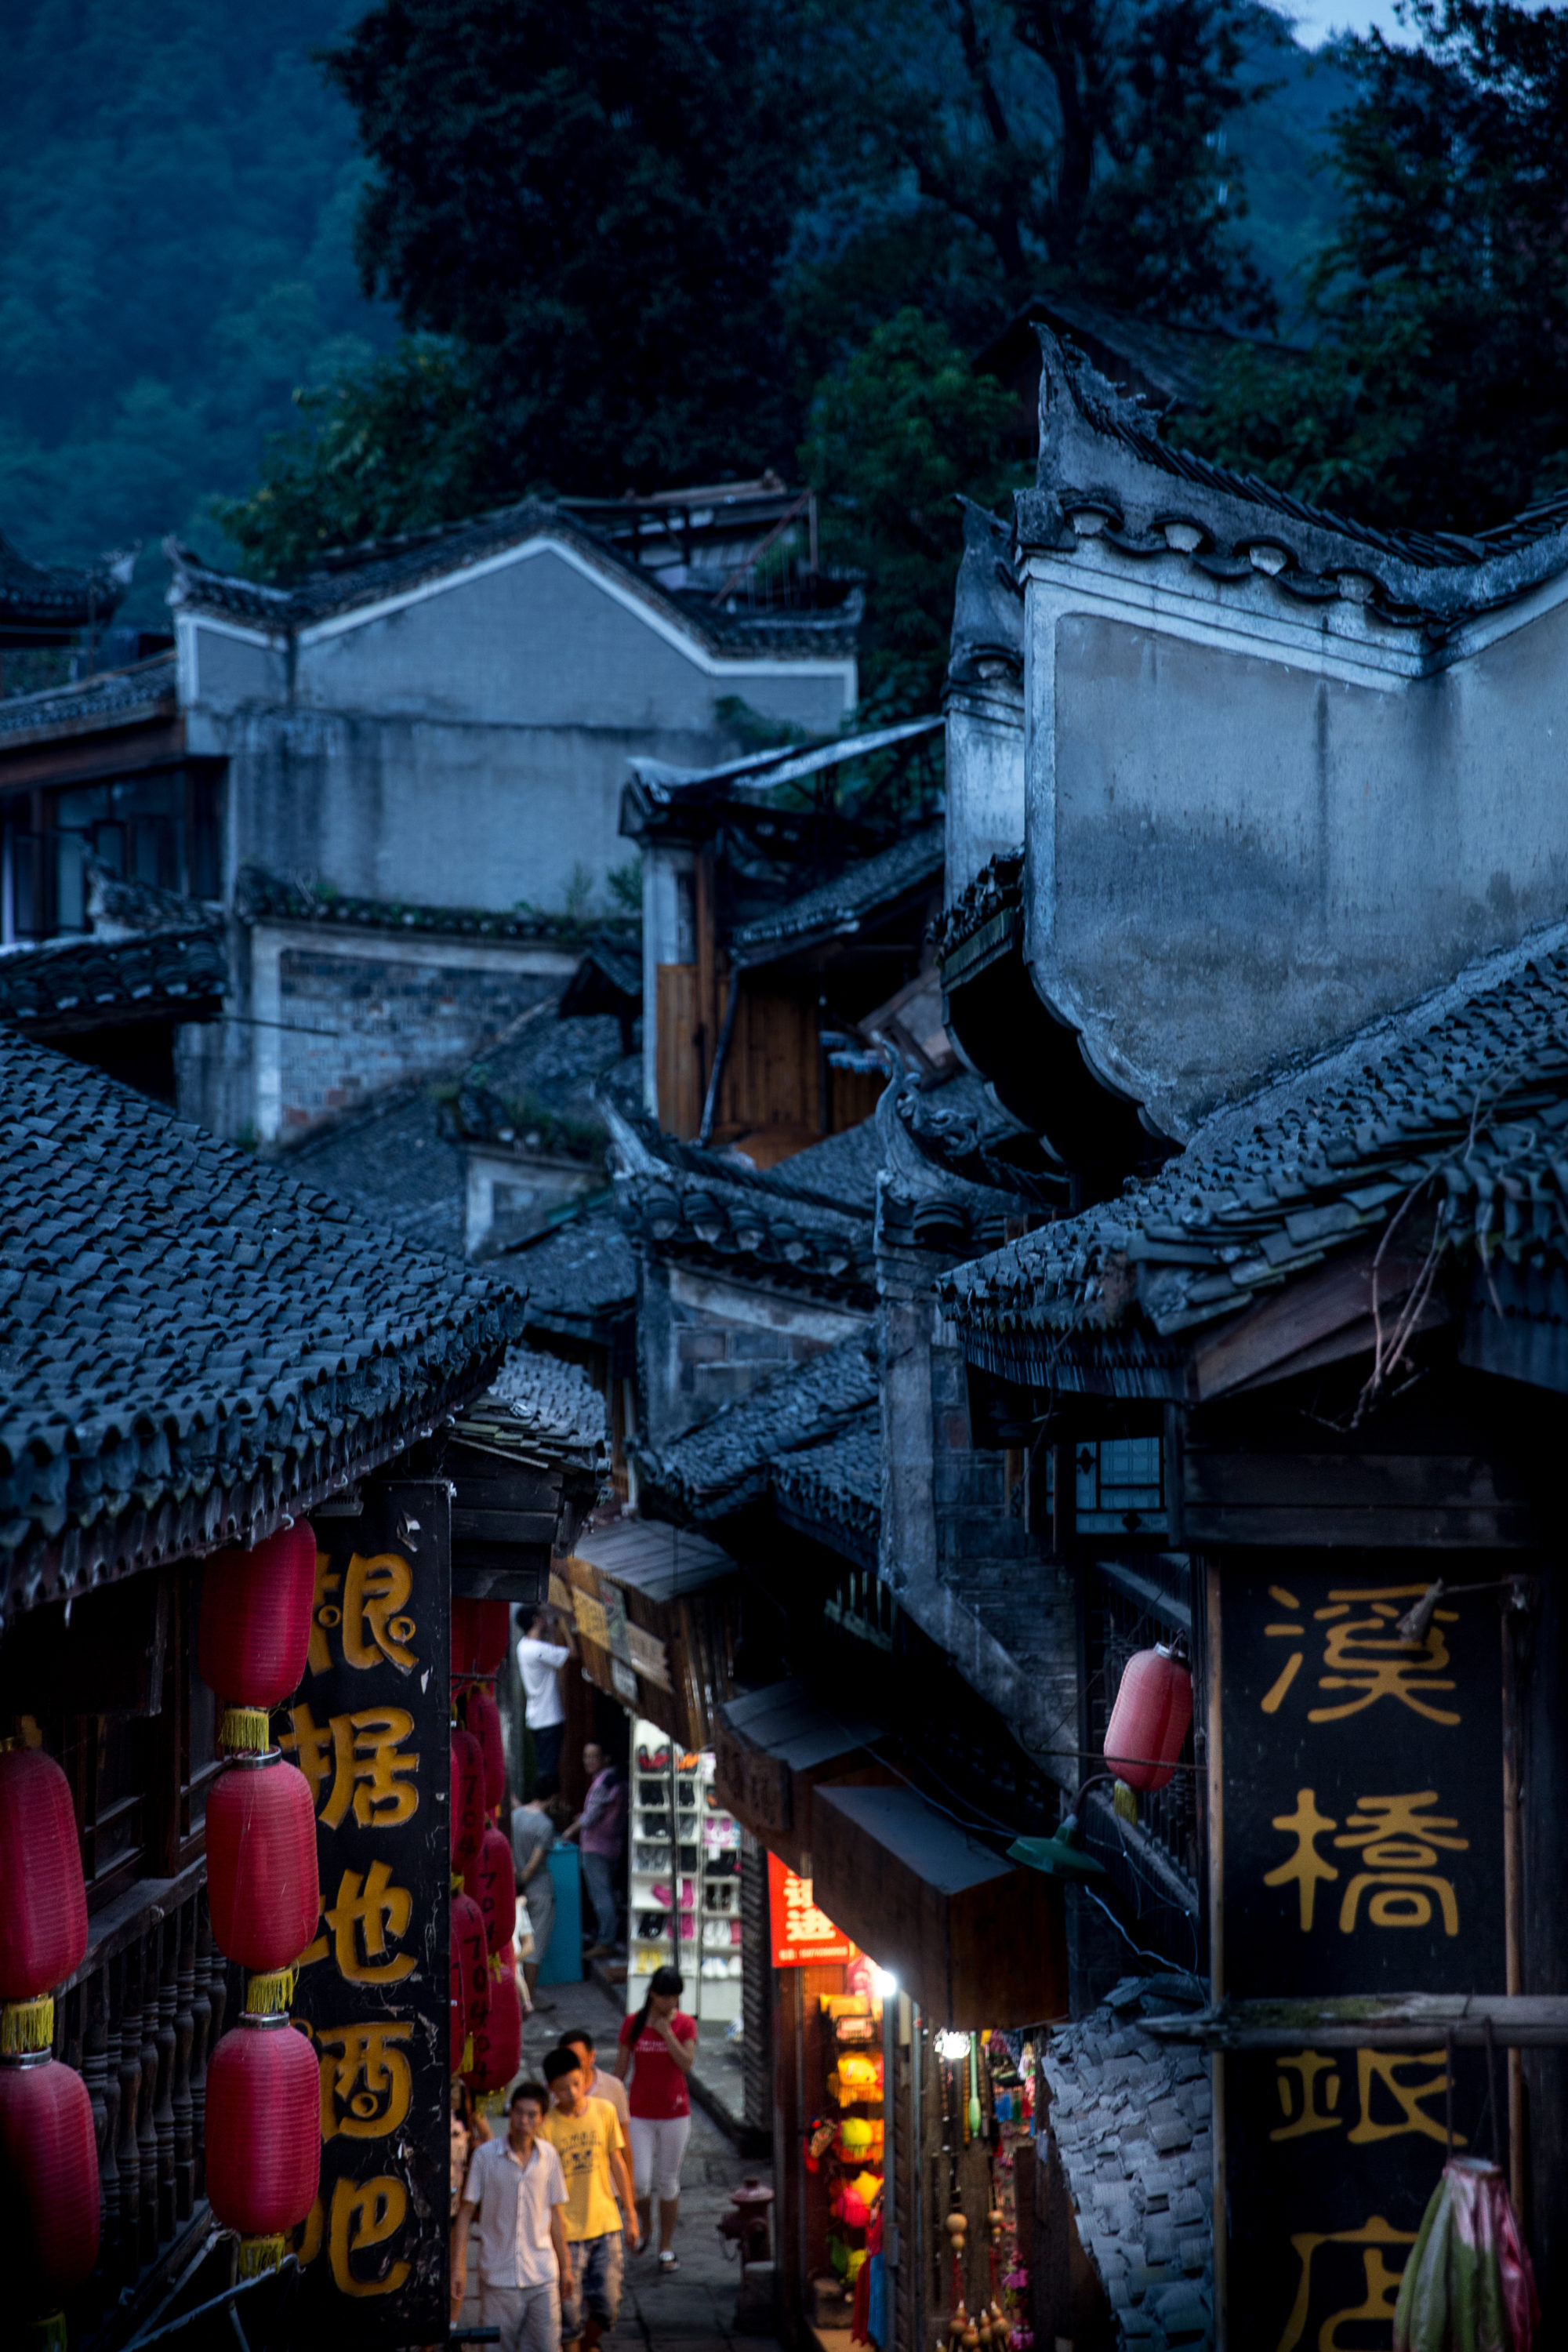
56, 597
982, 920
840, 909
962, 1132
115, 697
63, 989
833, 1490
805, 1225
1451, 1119
265, 897
348, 580
580, 1274
730, 1460
1105, 473
193, 1343
394, 1166
540, 1401
1132, 2122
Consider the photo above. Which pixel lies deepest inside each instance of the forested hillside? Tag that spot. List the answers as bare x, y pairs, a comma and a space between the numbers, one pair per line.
177, 192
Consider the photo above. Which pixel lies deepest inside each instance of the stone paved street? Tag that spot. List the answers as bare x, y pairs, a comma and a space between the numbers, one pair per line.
694, 2311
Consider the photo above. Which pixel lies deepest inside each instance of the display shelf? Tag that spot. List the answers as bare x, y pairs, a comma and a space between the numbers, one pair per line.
686, 1848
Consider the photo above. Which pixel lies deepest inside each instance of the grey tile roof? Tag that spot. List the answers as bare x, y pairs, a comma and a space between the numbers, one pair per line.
191, 1342
115, 697
806, 1225
1450, 1118
395, 1165
64, 988
580, 1274
982, 919
1103, 470
56, 597
730, 1460
832, 1490
263, 897
840, 909
1132, 2122
349, 579
538, 1399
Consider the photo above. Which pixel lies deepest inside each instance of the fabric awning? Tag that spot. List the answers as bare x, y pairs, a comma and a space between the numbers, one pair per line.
775, 1748
975, 1940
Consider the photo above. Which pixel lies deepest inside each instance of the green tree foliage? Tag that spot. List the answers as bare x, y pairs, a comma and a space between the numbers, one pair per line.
895, 436
1437, 389
177, 190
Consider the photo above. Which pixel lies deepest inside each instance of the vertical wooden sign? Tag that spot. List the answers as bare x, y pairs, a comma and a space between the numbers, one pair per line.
369, 1729
1364, 1854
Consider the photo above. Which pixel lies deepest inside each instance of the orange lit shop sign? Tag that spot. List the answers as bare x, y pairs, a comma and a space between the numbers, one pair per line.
803, 1935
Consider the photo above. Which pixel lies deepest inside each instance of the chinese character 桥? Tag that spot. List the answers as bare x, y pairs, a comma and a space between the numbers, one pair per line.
1398, 1838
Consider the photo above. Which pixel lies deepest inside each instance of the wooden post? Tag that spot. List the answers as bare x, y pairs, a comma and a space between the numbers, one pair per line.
1212, 1664
1511, 1881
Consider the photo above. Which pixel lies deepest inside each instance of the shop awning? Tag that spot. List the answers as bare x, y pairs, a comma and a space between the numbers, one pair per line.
655, 1608
975, 1940
775, 1748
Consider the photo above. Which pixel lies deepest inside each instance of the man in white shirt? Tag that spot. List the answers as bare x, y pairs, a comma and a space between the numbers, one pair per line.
517, 2190
539, 1662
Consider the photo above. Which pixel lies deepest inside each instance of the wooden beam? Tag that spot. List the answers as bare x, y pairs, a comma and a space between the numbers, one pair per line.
1449, 1501
1411, 2020
1264, 1344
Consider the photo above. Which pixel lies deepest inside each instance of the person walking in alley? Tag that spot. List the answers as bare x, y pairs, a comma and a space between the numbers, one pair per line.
598, 2084
532, 1835
587, 2138
660, 2046
540, 1661
517, 2190
600, 1831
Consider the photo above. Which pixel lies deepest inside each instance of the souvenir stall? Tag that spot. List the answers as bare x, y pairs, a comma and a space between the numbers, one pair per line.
683, 1905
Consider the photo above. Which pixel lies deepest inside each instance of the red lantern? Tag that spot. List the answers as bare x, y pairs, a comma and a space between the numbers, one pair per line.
49, 2184
468, 1798
471, 1949
491, 1879
256, 1607
479, 1632
264, 2127
262, 1883
481, 1716
1149, 1723
43, 1902
498, 2042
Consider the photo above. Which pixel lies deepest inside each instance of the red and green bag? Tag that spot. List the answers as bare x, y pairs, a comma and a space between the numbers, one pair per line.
1467, 2285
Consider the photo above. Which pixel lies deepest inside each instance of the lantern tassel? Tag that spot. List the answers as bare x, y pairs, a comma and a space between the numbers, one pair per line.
468, 2065
270, 1994
246, 1730
258, 2256
27, 2025
45, 2335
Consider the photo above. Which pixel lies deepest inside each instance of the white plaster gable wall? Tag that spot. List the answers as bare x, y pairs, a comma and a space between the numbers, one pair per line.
668, 937
1253, 826
984, 779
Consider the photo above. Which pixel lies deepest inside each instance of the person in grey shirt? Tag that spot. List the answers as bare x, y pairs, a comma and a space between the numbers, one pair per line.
532, 1835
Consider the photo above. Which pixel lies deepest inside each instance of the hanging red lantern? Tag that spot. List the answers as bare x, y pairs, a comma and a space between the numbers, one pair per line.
49, 2184
256, 1607
491, 1879
480, 1632
481, 1716
264, 2135
262, 1883
498, 2042
469, 1947
43, 1900
1150, 1721
468, 1798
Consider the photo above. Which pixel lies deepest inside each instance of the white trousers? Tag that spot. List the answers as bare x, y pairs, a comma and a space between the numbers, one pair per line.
656, 2150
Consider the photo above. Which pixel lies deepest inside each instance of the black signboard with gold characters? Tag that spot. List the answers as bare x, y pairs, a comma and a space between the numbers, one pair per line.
369, 1729
1362, 1836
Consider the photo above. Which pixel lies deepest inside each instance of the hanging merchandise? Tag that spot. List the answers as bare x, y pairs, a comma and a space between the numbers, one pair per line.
264, 2135
1150, 1721
48, 2185
262, 1885
498, 2042
1468, 2285
491, 1880
481, 1720
256, 1614
468, 1798
480, 1629
43, 1898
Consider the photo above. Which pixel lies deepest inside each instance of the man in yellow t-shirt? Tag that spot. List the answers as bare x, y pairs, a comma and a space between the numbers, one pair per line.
586, 2135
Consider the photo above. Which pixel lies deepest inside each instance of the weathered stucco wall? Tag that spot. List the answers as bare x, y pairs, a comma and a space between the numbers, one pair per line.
1238, 853
984, 780
704, 1341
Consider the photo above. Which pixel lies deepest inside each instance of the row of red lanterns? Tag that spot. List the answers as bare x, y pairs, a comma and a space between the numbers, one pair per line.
485, 2006
264, 2121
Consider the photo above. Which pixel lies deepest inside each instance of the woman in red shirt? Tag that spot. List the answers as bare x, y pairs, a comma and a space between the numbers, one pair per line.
658, 2046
